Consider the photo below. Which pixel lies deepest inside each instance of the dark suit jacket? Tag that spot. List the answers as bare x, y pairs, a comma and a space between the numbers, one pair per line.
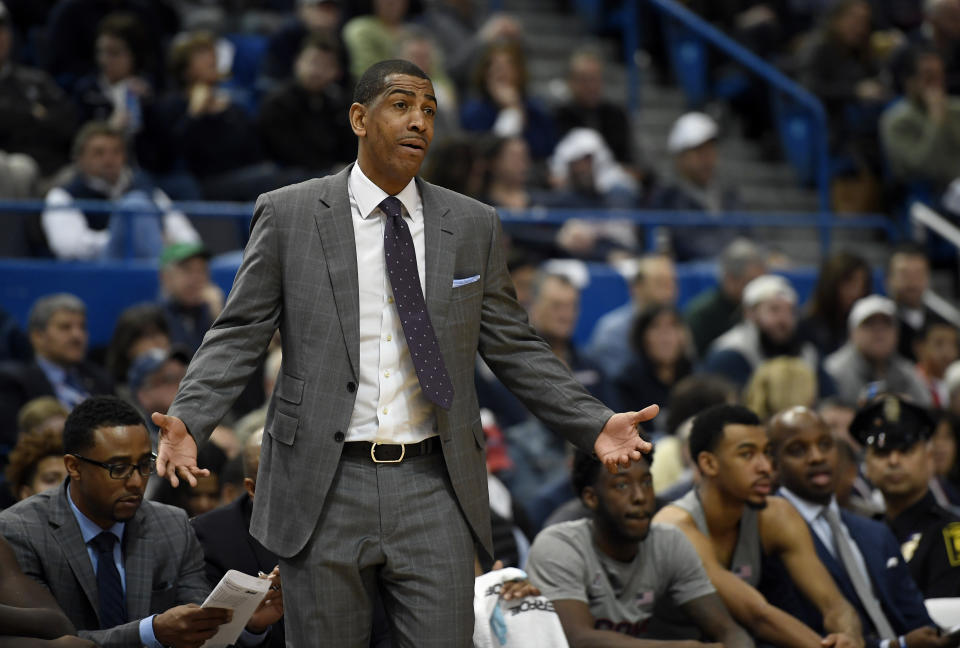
162, 559
20, 383
899, 597
224, 534
299, 274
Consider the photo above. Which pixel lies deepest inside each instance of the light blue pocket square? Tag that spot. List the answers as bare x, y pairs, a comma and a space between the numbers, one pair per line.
466, 280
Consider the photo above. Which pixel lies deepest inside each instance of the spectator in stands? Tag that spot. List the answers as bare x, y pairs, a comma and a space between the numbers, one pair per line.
659, 342
508, 175
147, 219
896, 434
185, 283
37, 119
716, 310
654, 282
843, 279
937, 347
502, 104
945, 450
463, 35
303, 123
607, 573
145, 589
58, 334
139, 328
733, 524
375, 37
694, 185
861, 554
29, 611
583, 173
153, 379
114, 93
36, 463
69, 52
312, 17
41, 413
587, 107
199, 129
941, 31
908, 280
921, 133
778, 384
768, 330
839, 67
224, 533
418, 46
869, 363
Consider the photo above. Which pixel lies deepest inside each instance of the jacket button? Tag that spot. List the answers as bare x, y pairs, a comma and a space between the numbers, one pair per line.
338, 436
351, 386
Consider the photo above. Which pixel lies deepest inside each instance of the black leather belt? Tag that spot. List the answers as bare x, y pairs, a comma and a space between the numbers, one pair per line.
390, 452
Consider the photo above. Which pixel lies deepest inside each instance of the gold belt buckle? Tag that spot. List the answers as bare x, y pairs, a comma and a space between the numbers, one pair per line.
373, 452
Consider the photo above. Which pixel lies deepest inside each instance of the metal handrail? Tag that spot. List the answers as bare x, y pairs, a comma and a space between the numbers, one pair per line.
646, 219
921, 214
771, 75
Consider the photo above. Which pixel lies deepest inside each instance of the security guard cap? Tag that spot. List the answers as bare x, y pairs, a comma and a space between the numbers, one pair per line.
891, 423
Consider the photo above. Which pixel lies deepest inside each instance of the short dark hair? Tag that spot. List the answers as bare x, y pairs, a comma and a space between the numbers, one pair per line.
94, 129
586, 469
93, 413
709, 424
906, 65
134, 323
907, 248
323, 42
373, 82
129, 29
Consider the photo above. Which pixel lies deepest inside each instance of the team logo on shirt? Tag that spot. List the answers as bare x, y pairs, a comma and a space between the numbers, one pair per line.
743, 572
644, 598
951, 535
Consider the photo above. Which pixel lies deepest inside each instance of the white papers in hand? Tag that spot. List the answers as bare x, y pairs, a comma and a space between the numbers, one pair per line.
241, 593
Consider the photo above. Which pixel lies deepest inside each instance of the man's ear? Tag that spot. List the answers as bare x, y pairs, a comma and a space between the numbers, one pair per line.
358, 119
589, 498
707, 463
250, 486
72, 464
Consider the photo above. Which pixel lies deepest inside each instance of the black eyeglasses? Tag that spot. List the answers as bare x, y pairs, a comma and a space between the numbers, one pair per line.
146, 466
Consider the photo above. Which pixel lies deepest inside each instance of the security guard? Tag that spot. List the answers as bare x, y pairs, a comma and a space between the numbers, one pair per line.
896, 436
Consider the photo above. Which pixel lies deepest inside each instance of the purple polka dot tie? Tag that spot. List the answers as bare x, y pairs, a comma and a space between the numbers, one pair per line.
401, 260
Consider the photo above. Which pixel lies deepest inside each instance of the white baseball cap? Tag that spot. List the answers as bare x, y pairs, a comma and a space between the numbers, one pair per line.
690, 131
767, 287
869, 306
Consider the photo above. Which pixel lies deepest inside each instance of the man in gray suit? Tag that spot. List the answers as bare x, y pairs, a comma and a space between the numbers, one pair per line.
126, 572
372, 470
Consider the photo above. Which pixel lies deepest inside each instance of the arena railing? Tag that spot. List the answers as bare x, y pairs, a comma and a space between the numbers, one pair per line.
923, 218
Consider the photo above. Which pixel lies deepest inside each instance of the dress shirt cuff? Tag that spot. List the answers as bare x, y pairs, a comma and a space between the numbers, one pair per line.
884, 644
147, 638
248, 638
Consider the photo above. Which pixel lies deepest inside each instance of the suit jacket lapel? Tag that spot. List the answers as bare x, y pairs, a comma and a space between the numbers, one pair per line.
67, 534
438, 245
335, 225
137, 565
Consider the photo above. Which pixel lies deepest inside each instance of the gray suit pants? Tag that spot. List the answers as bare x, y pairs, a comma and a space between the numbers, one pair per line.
396, 528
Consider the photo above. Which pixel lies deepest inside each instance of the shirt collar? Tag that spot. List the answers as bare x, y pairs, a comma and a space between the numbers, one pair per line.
88, 528
368, 195
54, 372
808, 510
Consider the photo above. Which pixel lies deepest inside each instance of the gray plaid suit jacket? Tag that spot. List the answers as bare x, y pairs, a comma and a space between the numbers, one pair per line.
162, 558
299, 274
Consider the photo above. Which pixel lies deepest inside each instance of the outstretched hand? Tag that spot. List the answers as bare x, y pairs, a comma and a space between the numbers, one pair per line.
177, 451
619, 442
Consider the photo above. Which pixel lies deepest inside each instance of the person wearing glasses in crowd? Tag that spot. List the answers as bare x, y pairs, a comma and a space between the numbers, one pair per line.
125, 571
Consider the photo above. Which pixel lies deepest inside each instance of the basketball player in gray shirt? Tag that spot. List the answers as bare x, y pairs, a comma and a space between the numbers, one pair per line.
614, 578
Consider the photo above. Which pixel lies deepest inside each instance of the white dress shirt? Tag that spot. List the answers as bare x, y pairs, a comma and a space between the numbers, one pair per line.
811, 512
390, 406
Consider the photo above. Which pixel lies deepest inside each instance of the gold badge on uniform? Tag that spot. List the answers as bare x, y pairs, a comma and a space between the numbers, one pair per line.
909, 547
951, 535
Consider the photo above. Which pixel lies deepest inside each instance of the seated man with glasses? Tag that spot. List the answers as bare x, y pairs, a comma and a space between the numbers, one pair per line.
127, 572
